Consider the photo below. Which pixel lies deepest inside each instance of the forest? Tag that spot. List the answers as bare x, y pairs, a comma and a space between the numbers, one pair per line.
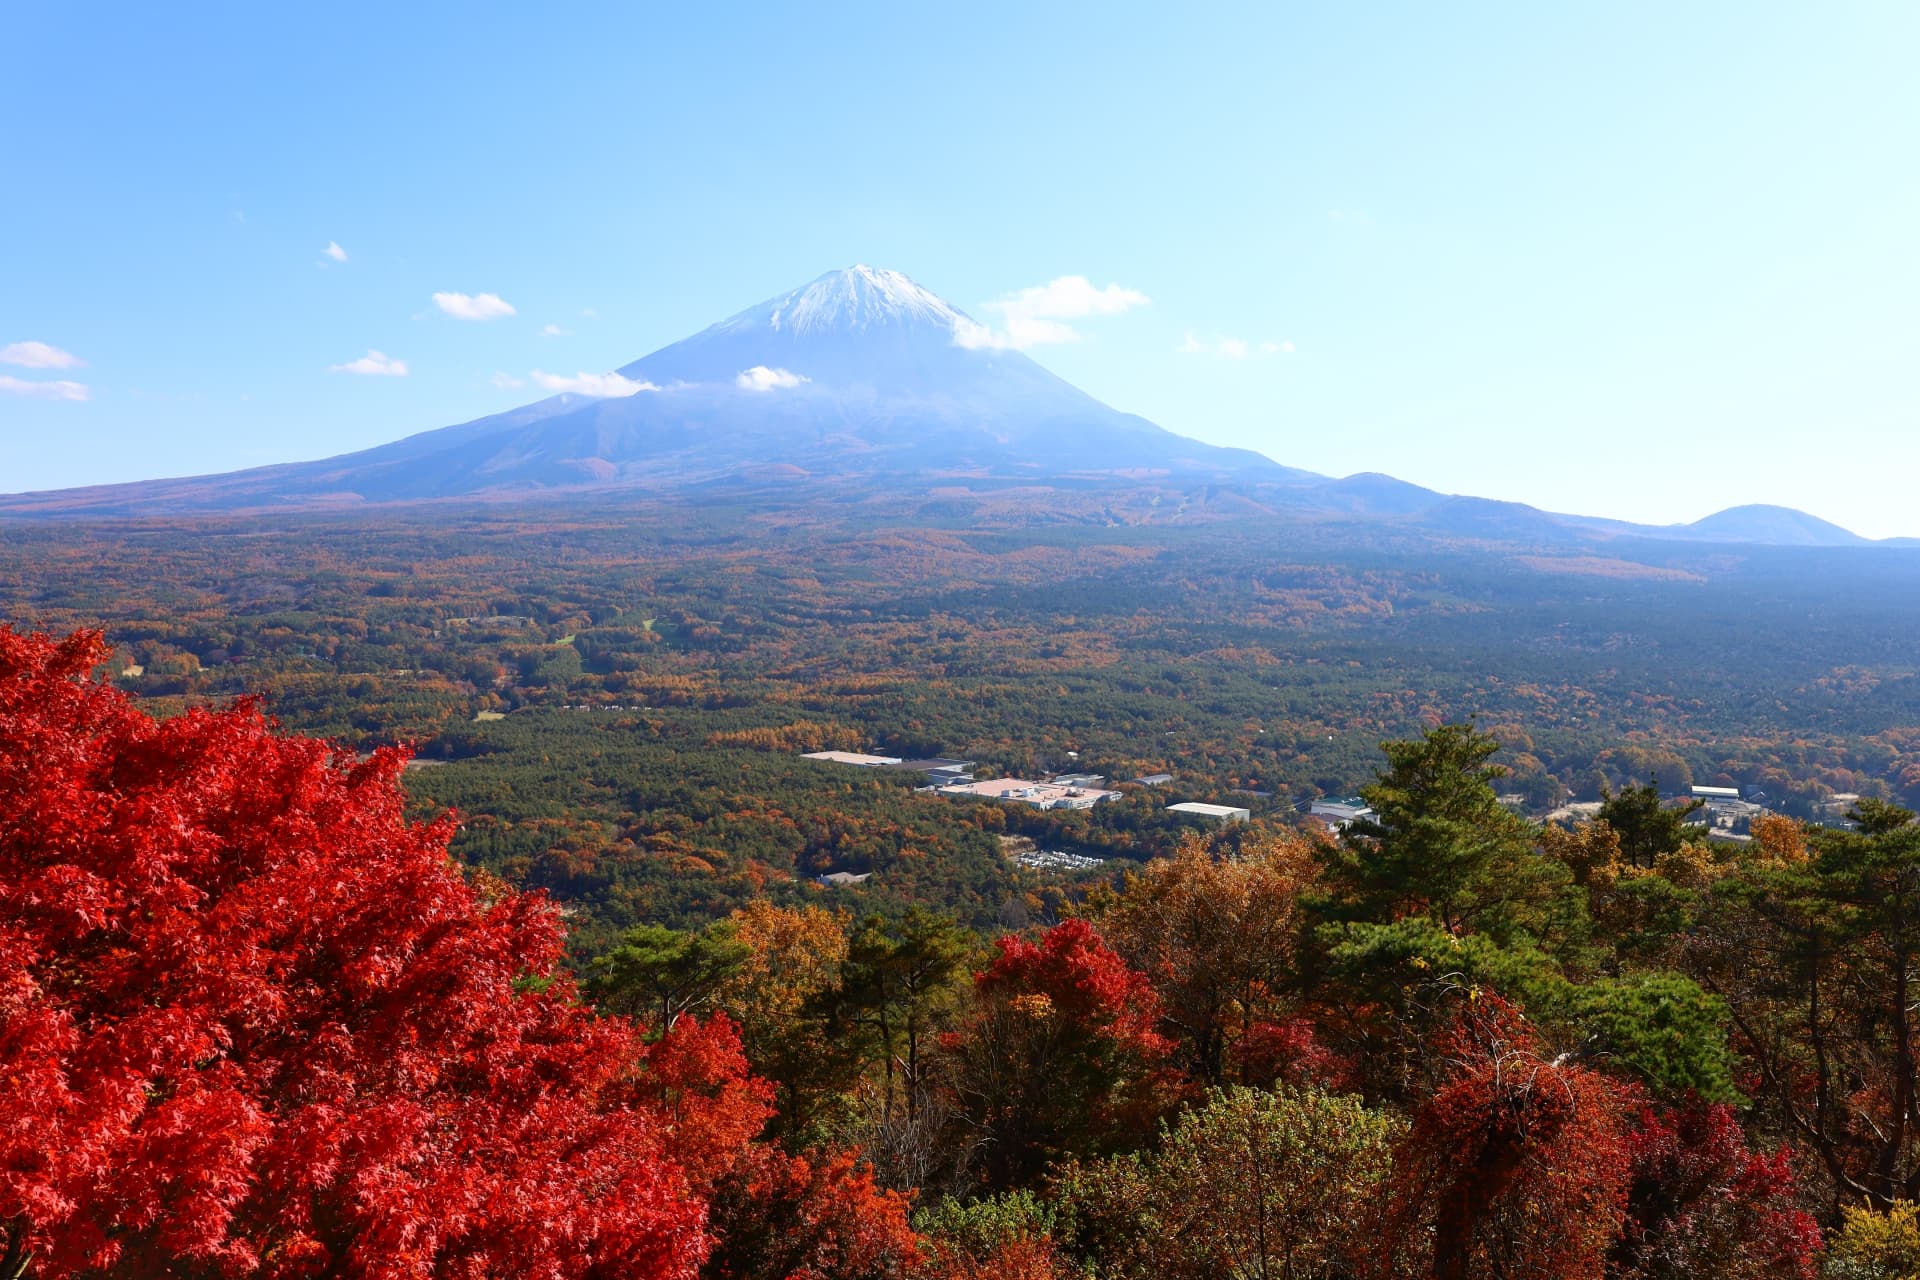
367, 876
257, 1022
655, 668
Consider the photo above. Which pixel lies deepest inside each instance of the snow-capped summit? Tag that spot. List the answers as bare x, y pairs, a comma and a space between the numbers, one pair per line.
854, 377
859, 325
851, 300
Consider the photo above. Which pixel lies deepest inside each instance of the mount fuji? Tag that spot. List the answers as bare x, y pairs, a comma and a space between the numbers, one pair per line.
860, 383
860, 375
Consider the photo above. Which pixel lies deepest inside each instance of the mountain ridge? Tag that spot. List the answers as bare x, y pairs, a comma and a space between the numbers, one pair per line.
859, 376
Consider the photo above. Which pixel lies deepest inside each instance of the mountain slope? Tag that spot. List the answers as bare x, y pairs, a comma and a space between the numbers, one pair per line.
860, 374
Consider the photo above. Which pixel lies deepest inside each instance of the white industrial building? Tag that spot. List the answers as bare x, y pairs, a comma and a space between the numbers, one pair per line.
1214, 812
853, 758
1338, 814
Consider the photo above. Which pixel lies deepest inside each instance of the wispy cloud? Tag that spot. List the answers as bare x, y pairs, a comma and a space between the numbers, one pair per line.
605, 386
591, 313
1040, 313
484, 306
334, 251
38, 355
553, 331
376, 364
44, 390
761, 378
1231, 348
506, 381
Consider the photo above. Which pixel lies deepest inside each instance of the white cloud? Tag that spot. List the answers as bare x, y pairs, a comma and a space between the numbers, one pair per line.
605, 386
553, 331
1231, 348
507, 382
485, 306
1038, 314
1069, 298
374, 364
44, 390
38, 355
590, 313
975, 336
334, 251
1022, 331
761, 378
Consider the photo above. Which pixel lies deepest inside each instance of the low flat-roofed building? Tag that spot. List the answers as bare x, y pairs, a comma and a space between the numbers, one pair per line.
1215, 812
1723, 805
1337, 814
851, 757
844, 879
1041, 795
1154, 779
939, 772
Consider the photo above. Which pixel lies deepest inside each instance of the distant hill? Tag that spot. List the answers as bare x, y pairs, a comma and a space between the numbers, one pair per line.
1775, 526
1368, 493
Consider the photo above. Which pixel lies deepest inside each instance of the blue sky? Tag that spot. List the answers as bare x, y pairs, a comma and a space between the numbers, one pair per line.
1636, 260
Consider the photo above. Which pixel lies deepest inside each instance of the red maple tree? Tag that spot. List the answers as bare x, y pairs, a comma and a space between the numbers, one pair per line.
1061, 1055
1515, 1158
1702, 1202
253, 1022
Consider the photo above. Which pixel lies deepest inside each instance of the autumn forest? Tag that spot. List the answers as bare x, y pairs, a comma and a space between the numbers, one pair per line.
441, 892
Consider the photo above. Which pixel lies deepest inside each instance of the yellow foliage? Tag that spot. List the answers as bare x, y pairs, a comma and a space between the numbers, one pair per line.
1691, 866
1591, 851
794, 953
800, 736
1779, 841
1885, 1246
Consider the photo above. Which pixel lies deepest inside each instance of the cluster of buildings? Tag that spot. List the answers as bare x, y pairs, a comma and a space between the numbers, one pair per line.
955, 778
1058, 791
1725, 812
1066, 791
1834, 811
1056, 860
